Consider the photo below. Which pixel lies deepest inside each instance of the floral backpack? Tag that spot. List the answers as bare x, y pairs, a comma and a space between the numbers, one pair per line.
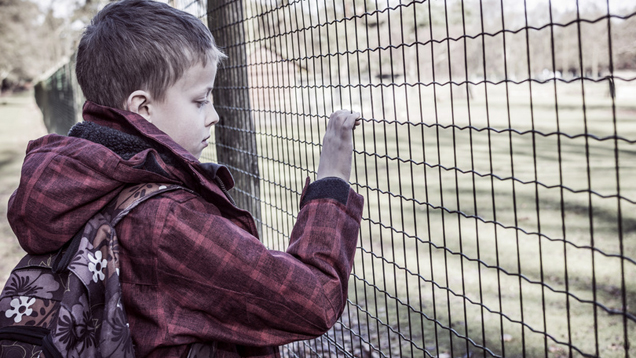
68, 303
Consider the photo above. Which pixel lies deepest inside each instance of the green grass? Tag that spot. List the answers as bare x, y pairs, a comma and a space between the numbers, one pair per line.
446, 246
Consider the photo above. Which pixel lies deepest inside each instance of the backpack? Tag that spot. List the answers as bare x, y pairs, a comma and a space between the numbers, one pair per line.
68, 303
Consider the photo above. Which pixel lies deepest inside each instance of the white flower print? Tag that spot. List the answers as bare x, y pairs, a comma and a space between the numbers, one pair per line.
96, 266
21, 307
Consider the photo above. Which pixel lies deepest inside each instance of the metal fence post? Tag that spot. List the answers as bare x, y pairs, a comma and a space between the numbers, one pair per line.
235, 135
60, 99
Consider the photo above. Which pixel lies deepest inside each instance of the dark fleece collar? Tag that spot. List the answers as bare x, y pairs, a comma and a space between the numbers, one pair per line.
123, 144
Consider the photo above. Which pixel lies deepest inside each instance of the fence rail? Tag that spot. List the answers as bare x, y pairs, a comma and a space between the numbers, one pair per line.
496, 158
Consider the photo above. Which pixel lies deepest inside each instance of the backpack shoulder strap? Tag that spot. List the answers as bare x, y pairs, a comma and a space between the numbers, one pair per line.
127, 200
132, 196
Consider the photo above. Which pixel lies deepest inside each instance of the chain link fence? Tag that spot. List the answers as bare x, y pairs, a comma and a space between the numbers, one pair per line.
496, 158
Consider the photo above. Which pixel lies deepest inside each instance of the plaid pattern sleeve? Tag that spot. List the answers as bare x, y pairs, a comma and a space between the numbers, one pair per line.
214, 281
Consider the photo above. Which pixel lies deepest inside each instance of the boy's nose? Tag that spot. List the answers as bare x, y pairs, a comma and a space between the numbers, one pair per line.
212, 117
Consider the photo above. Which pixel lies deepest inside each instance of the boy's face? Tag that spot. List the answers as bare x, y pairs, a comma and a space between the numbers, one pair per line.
187, 113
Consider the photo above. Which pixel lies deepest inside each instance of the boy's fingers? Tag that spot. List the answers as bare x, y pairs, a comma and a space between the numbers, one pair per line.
357, 123
351, 119
357, 120
344, 119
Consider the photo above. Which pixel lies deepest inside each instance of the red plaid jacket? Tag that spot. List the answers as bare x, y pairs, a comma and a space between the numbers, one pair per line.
193, 269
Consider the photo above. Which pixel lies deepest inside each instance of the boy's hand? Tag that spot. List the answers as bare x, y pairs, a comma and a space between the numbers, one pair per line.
337, 145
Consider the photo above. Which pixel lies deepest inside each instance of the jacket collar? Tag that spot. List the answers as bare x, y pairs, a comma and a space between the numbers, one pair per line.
139, 134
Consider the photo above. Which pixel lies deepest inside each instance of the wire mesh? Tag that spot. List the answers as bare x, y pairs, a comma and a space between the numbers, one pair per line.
495, 159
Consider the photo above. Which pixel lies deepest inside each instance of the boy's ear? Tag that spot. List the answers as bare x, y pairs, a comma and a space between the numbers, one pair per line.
139, 102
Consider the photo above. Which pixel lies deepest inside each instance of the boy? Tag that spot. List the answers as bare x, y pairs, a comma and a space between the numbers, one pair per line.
194, 275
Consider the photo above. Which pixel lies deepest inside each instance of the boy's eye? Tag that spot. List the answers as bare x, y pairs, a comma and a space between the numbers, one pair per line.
202, 103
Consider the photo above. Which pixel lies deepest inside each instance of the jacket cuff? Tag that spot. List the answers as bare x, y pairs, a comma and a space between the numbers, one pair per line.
326, 188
